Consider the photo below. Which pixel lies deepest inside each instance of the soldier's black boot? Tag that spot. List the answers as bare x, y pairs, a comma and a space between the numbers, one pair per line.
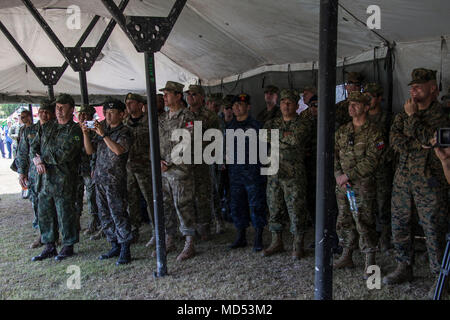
114, 252
66, 251
49, 251
125, 255
240, 241
258, 243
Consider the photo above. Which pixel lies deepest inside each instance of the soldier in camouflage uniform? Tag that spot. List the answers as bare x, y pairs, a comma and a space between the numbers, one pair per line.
358, 147
272, 110
384, 173
287, 188
418, 177
353, 83
25, 166
87, 163
177, 176
111, 145
204, 205
139, 177
56, 155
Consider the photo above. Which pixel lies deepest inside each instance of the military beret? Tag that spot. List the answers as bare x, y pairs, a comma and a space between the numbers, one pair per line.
114, 104
48, 105
135, 97
64, 98
354, 77
271, 89
173, 86
374, 89
357, 96
195, 88
243, 97
422, 75
289, 94
87, 109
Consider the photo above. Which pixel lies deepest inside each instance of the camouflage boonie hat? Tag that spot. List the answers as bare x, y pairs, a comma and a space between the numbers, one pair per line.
64, 98
135, 97
289, 94
173, 86
422, 75
195, 88
243, 97
48, 105
114, 104
357, 96
271, 89
354, 77
87, 109
374, 88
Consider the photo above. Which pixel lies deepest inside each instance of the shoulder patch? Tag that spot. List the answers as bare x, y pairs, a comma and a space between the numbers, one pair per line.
189, 124
380, 145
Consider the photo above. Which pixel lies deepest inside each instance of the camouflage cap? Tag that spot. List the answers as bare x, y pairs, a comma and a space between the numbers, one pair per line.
65, 98
87, 109
243, 97
311, 89
422, 75
271, 89
135, 97
173, 86
195, 88
289, 94
357, 96
114, 104
354, 77
47, 104
374, 89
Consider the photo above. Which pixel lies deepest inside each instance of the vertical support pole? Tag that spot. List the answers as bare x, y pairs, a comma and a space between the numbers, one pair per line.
325, 149
51, 93
155, 156
83, 87
30, 107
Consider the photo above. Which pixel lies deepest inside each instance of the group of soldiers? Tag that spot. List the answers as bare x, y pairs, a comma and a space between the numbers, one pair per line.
387, 162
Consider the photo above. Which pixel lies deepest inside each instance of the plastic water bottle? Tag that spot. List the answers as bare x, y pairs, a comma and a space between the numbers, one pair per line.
352, 199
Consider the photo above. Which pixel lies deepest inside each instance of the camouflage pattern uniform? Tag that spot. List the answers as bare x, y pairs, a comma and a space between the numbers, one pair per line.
357, 153
110, 178
204, 205
139, 176
342, 116
178, 180
288, 186
59, 147
418, 180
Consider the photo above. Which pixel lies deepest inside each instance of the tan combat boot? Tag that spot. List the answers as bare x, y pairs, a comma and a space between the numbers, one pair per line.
36, 243
402, 274
345, 261
370, 261
188, 251
298, 251
170, 245
276, 246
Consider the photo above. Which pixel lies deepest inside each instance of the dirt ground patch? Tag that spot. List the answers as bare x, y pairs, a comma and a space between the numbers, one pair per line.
215, 273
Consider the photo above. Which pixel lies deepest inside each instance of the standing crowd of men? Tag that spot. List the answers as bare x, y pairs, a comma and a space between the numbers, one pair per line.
390, 163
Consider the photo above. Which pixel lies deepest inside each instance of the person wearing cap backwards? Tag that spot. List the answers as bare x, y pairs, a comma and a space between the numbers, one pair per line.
418, 178
204, 205
56, 155
384, 172
353, 83
111, 146
272, 110
25, 166
177, 179
247, 185
139, 178
359, 145
287, 188
87, 163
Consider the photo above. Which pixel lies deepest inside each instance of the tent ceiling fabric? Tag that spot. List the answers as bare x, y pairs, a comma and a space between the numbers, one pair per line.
212, 39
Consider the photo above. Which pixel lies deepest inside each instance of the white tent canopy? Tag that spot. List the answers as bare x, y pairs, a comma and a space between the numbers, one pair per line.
216, 40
